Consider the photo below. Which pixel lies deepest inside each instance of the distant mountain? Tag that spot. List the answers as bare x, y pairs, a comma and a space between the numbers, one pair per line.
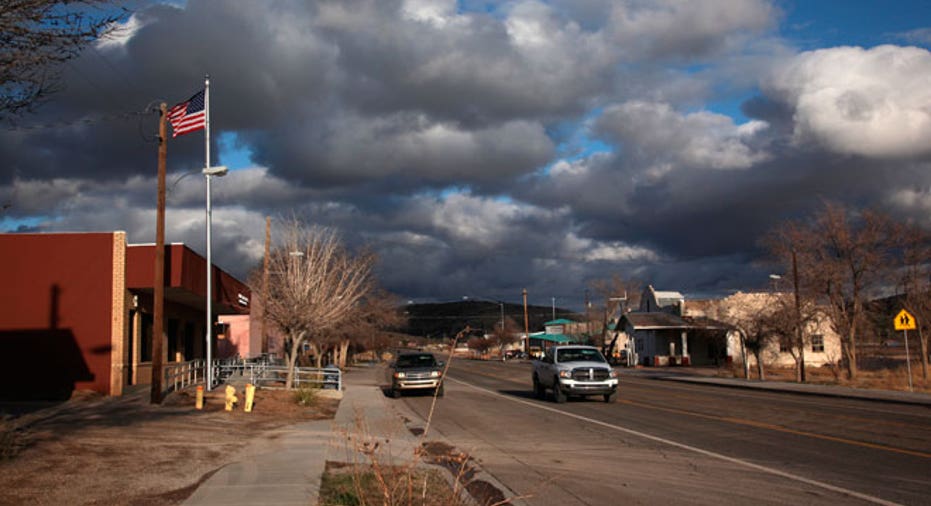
444, 320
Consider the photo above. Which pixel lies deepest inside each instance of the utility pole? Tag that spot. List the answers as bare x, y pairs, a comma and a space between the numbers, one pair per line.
502, 318
159, 281
798, 319
554, 308
268, 239
526, 326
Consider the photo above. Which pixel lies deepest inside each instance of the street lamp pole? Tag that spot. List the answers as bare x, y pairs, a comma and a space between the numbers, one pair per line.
209, 173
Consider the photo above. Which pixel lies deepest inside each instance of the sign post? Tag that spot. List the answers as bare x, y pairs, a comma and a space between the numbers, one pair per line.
905, 322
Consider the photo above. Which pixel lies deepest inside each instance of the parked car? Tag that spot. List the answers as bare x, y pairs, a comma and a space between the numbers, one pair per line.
574, 370
416, 371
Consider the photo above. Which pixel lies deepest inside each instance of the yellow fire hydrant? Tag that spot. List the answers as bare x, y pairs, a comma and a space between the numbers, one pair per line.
199, 403
231, 397
250, 397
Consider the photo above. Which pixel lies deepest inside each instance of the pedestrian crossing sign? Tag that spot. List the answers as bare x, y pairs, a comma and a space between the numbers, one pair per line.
904, 321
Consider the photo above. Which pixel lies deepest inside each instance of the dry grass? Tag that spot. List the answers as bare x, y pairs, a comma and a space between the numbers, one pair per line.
350, 485
122, 450
889, 377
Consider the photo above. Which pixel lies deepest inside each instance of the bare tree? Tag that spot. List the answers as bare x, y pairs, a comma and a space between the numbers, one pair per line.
502, 337
377, 313
479, 344
617, 292
915, 247
752, 316
315, 284
36, 36
787, 244
848, 255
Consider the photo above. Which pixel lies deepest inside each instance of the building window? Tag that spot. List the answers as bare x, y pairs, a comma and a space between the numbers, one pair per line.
785, 345
817, 343
639, 345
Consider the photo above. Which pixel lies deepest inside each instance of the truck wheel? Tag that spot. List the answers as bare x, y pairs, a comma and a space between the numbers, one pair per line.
610, 398
440, 391
538, 390
395, 393
558, 395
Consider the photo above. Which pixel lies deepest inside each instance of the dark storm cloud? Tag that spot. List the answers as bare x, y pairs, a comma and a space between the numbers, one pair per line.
455, 138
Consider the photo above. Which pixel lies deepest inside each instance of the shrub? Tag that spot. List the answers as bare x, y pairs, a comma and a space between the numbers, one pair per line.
305, 395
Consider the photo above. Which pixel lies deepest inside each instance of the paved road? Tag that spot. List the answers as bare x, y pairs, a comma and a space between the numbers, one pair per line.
674, 443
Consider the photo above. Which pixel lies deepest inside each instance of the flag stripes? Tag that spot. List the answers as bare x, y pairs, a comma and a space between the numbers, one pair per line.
188, 116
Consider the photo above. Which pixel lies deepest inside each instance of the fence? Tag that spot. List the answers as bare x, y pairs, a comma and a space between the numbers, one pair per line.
261, 372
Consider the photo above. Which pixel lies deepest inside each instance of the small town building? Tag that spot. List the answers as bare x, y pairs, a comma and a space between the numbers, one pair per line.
77, 311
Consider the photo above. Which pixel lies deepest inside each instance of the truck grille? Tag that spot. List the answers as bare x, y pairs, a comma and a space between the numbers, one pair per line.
590, 374
417, 375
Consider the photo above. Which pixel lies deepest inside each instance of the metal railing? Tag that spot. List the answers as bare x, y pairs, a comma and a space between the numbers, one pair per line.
261, 372
179, 375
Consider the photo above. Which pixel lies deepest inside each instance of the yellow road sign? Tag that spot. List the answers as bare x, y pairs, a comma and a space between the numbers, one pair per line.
904, 321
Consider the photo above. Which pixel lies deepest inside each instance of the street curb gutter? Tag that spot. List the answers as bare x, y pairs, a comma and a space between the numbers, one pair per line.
893, 397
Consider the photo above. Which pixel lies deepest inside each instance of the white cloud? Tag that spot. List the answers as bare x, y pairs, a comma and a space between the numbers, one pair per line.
662, 140
675, 28
612, 251
869, 102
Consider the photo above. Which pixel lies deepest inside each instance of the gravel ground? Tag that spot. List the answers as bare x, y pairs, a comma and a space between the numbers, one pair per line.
123, 450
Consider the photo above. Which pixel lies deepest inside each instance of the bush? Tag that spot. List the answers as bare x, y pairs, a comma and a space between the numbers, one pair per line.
305, 395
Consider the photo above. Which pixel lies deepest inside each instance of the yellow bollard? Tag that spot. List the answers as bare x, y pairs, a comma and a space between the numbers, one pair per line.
199, 403
250, 397
231, 397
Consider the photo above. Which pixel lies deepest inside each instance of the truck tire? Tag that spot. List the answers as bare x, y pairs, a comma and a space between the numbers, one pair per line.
611, 398
395, 393
539, 391
558, 395
440, 391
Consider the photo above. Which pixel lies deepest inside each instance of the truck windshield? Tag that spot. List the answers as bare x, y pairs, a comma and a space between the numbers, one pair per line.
579, 355
416, 361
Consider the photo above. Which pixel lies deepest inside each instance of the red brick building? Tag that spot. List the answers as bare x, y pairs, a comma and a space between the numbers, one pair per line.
76, 311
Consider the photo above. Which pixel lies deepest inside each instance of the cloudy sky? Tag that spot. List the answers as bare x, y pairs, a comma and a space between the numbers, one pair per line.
483, 147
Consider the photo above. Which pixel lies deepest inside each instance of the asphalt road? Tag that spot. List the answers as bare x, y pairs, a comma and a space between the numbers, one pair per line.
672, 443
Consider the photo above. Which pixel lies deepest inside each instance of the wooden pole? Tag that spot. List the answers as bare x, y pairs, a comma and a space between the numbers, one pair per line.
268, 240
159, 281
526, 326
798, 320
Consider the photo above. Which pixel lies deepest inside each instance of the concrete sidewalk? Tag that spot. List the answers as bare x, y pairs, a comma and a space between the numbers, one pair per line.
686, 376
286, 468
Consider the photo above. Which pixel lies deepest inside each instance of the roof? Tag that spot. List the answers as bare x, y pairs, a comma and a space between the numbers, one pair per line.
554, 338
560, 321
668, 298
645, 321
655, 321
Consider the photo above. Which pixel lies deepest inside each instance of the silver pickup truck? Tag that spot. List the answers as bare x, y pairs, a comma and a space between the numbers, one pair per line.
574, 370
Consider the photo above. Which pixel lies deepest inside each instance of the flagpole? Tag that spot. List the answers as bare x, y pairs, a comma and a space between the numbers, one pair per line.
209, 375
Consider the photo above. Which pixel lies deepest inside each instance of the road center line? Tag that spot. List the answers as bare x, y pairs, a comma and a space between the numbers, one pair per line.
744, 463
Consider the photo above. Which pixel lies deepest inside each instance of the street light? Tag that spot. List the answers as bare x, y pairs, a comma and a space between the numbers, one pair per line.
209, 173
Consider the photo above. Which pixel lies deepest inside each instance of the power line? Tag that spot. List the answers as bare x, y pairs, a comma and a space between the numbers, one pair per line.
62, 125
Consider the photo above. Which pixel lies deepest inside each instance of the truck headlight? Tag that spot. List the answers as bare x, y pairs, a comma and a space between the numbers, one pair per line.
565, 374
399, 375
613, 373
434, 374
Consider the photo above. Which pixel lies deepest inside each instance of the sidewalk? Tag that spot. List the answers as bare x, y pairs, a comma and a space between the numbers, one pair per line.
683, 375
286, 468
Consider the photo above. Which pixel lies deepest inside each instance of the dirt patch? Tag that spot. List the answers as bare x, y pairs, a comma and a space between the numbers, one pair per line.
123, 450
462, 468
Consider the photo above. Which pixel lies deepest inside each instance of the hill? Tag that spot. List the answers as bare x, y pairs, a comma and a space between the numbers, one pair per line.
445, 320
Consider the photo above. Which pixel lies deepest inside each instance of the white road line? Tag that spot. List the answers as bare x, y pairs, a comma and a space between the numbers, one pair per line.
751, 465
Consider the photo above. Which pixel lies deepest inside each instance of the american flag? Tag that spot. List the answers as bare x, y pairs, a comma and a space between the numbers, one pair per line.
188, 116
